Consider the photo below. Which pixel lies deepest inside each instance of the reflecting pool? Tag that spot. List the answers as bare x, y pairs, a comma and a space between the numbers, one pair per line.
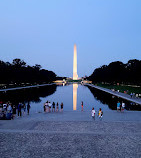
71, 95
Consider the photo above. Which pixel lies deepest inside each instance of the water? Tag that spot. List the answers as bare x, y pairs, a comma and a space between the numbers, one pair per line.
65, 95
71, 95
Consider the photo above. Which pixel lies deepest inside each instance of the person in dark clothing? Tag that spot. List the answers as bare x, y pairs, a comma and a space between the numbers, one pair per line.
28, 108
53, 107
19, 109
14, 111
44, 107
57, 107
61, 107
82, 105
24, 107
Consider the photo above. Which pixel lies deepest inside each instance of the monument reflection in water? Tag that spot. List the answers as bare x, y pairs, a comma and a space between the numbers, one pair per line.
75, 86
91, 97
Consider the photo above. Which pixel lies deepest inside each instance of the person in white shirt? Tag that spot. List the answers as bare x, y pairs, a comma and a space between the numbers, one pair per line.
122, 106
93, 112
46, 107
9, 108
4, 107
50, 105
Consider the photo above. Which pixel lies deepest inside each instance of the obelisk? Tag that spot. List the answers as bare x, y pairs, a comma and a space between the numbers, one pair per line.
75, 76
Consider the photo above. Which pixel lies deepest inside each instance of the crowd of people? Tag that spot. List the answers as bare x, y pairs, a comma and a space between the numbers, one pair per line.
48, 107
55, 107
120, 107
133, 95
9, 110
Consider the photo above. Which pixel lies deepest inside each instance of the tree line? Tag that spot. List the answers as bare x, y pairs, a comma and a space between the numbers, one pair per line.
118, 72
19, 72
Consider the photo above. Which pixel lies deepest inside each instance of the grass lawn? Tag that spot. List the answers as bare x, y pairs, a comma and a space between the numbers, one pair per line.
121, 88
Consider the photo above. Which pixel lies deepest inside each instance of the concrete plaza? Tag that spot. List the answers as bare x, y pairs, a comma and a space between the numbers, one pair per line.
72, 134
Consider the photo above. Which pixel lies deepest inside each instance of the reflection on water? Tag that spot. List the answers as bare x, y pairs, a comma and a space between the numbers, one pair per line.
71, 98
27, 95
111, 101
75, 86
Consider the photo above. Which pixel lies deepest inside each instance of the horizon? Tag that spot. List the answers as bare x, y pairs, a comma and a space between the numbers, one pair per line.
79, 77
45, 32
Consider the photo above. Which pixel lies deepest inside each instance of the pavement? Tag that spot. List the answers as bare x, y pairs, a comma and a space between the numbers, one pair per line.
24, 87
72, 134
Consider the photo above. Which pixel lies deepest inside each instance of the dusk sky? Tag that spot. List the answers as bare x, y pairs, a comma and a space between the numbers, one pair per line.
44, 32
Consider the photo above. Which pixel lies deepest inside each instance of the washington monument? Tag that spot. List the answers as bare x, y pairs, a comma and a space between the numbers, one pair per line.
75, 76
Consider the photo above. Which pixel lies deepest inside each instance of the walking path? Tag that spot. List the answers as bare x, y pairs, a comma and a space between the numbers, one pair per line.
72, 135
118, 94
11, 89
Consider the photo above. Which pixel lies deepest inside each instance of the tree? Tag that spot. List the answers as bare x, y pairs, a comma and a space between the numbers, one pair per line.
118, 72
18, 63
37, 67
19, 72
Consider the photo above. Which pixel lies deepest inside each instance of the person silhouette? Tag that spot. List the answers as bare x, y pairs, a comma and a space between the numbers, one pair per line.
82, 106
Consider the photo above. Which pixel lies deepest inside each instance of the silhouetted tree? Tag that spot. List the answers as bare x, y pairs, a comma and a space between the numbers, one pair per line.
18, 71
118, 72
18, 63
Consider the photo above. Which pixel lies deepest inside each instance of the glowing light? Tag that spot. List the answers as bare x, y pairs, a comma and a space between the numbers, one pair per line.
75, 86
75, 76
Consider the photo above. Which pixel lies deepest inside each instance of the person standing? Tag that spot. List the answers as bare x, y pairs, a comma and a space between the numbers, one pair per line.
131, 94
9, 108
24, 107
14, 111
62, 106
28, 108
82, 106
5, 107
53, 107
46, 107
9, 114
57, 107
122, 106
93, 113
118, 105
19, 109
100, 113
137, 95
49, 104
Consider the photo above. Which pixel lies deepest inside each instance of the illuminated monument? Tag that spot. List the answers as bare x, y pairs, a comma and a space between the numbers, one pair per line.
75, 76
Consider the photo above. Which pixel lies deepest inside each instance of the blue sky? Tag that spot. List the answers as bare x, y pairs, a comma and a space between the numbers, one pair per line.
44, 32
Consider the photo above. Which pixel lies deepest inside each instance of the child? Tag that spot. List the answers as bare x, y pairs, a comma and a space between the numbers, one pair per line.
93, 112
100, 113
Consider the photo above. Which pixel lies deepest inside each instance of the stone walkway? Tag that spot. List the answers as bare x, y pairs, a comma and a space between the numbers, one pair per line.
16, 88
72, 134
118, 94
